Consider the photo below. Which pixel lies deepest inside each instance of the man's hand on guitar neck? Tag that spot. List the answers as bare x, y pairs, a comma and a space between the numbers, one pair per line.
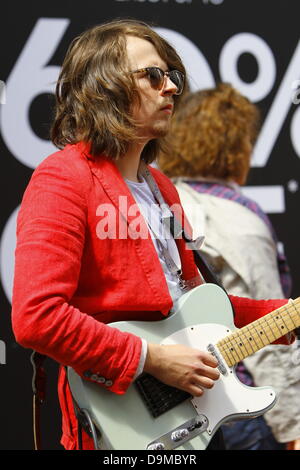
182, 367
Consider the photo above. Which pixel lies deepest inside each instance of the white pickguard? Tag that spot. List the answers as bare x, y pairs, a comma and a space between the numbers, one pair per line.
229, 398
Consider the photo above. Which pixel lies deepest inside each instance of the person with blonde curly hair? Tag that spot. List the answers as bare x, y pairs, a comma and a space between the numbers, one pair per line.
212, 136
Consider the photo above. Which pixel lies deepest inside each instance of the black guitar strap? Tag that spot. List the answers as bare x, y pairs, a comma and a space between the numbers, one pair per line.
202, 264
176, 230
39, 394
206, 271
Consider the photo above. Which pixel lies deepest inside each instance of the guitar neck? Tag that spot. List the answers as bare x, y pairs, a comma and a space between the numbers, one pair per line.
253, 337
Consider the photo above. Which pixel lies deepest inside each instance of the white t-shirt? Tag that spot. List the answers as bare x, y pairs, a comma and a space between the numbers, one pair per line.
152, 213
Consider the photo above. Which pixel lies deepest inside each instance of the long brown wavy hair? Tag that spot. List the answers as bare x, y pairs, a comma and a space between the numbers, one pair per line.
95, 90
212, 135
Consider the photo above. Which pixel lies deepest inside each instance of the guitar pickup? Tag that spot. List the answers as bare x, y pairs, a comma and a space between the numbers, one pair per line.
221, 366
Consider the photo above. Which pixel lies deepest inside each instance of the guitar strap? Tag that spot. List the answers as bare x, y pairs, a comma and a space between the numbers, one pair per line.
39, 394
205, 270
177, 230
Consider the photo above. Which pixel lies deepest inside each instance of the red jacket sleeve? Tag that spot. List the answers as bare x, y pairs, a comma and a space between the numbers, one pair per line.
50, 240
249, 310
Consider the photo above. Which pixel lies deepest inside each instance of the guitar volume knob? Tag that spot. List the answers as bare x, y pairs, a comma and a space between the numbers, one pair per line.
179, 434
156, 446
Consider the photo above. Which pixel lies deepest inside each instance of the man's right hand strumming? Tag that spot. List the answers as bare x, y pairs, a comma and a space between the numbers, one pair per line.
182, 367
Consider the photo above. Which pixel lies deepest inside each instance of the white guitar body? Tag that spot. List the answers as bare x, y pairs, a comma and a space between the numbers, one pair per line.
203, 317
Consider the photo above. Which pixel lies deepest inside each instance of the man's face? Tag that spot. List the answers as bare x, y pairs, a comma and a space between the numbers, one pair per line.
156, 106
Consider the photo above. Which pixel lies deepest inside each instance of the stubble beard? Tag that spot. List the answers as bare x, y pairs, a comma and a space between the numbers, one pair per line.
159, 129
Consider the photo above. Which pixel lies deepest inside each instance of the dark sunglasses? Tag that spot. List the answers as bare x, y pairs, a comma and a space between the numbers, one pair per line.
157, 78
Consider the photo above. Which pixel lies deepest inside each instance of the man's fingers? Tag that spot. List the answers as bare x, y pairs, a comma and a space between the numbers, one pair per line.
209, 359
196, 391
207, 367
213, 374
197, 388
205, 382
202, 383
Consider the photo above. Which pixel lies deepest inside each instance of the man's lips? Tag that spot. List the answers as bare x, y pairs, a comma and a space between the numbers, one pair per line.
168, 108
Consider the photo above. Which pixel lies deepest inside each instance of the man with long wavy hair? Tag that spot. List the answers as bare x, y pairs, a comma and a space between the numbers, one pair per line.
119, 85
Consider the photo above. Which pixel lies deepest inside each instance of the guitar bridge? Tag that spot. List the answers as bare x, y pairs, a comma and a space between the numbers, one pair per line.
221, 366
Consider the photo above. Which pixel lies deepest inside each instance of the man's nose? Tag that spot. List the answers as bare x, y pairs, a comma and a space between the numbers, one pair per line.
169, 87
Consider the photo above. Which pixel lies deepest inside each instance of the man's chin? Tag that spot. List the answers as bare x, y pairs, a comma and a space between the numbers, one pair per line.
160, 131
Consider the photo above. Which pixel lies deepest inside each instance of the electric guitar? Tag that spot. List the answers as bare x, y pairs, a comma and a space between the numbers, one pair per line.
154, 416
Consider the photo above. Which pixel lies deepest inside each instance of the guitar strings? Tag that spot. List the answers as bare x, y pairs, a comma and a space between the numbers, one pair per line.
242, 339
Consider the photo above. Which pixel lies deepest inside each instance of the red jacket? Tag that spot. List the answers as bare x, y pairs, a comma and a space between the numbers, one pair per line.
69, 283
